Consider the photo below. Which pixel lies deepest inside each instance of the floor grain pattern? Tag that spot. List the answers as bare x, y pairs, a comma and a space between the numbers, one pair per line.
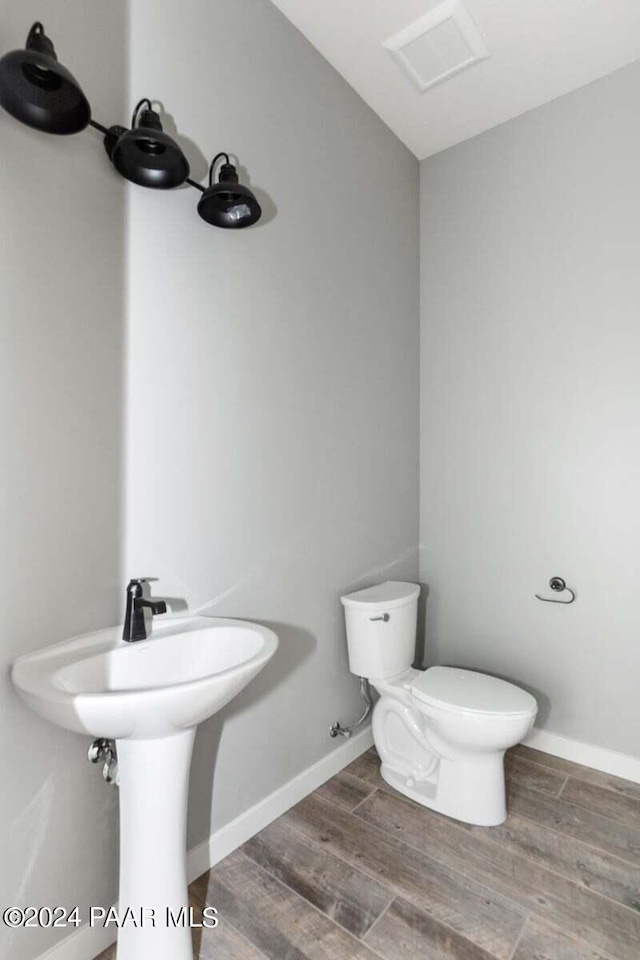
343, 892
356, 871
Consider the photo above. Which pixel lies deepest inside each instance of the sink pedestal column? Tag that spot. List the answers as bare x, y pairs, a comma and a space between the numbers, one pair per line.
154, 784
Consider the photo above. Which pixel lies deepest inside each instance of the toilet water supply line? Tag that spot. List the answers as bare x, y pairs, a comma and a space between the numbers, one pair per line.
337, 730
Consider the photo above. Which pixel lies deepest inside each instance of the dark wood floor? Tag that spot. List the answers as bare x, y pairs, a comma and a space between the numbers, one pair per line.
357, 871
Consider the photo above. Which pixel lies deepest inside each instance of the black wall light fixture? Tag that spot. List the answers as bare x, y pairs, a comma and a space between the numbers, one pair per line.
228, 203
146, 154
39, 91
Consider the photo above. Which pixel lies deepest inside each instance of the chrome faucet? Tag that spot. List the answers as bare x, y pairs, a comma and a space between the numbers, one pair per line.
135, 624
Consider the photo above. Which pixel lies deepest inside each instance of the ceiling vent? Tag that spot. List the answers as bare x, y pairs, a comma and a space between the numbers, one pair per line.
437, 46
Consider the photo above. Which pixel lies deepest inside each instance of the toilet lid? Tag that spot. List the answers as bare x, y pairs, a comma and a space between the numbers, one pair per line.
471, 692
386, 596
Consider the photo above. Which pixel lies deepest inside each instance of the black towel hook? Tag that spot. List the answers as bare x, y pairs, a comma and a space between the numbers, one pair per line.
559, 585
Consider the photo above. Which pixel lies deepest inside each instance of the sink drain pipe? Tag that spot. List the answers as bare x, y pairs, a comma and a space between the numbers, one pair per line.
337, 730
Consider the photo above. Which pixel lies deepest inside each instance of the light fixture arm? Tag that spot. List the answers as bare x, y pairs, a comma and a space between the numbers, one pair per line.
213, 163
37, 40
98, 126
36, 30
134, 117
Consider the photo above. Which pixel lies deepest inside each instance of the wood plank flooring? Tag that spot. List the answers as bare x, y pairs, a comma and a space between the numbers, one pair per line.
356, 871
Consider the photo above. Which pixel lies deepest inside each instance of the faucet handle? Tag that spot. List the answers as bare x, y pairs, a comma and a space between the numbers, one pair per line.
135, 588
136, 585
156, 606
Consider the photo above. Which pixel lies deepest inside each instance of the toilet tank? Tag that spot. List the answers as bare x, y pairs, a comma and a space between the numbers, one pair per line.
381, 629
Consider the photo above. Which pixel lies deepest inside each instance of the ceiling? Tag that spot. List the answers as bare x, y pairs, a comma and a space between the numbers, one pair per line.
539, 50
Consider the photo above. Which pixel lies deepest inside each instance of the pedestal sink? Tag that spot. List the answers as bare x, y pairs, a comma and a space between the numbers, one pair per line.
148, 696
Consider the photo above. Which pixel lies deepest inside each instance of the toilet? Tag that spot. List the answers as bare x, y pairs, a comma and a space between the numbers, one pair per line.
441, 733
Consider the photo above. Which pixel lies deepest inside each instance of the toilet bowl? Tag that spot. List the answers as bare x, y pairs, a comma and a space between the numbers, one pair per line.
441, 733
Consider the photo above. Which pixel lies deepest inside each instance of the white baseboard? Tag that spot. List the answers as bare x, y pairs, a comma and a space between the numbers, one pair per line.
87, 942
83, 944
234, 834
598, 758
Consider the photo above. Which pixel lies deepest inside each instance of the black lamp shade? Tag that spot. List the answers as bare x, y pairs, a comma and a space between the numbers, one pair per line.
148, 156
39, 91
229, 204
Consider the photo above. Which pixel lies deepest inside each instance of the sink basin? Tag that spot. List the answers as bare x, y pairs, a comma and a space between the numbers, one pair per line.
188, 669
148, 696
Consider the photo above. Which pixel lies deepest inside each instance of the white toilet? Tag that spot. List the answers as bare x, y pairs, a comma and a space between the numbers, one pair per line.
441, 733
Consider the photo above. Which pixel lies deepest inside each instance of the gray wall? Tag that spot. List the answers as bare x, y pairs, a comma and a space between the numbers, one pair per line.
62, 219
531, 406
273, 374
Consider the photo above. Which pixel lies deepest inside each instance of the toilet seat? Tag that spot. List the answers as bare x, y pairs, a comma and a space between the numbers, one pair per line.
465, 692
